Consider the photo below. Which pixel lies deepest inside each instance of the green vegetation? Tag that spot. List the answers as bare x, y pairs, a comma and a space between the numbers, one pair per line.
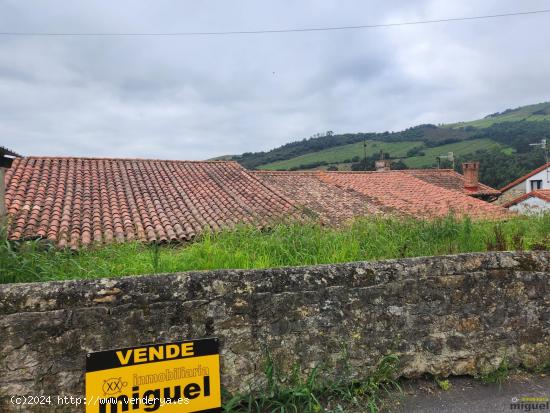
458, 148
531, 113
299, 393
501, 141
430, 134
543, 368
369, 163
497, 168
415, 154
517, 135
504, 371
282, 245
443, 384
497, 376
344, 154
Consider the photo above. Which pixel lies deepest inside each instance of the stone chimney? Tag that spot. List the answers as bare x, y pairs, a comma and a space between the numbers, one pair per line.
471, 175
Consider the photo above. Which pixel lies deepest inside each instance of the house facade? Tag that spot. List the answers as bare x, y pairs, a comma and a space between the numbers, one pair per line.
536, 180
534, 202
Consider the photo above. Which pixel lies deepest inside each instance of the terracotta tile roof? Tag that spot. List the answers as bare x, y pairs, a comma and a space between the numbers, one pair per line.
329, 202
410, 195
450, 179
74, 201
81, 201
543, 194
524, 177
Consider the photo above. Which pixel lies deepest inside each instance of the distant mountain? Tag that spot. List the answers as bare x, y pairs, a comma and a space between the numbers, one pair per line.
501, 140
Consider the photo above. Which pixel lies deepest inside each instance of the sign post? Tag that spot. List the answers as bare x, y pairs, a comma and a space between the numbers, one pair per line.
179, 377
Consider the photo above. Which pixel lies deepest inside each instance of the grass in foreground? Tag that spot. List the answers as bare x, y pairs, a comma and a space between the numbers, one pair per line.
310, 394
282, 245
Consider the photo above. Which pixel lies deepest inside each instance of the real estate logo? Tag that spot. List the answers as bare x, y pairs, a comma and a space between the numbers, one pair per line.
179, 377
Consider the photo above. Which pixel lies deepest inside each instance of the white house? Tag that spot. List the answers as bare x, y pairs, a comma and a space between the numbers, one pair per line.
534, 202
536, 180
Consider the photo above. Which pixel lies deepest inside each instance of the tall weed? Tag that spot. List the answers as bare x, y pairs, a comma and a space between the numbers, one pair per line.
280, 245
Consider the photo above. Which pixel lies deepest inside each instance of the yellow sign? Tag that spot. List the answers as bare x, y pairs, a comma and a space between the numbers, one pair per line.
181, 377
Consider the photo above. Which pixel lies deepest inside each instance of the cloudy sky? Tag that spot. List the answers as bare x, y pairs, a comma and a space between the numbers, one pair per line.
200, 97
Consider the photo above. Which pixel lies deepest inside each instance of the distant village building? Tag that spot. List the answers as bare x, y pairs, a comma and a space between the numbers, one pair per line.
527, 189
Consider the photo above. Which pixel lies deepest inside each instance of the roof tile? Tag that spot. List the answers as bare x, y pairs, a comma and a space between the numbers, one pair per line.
413, 196
80, 201
450, 179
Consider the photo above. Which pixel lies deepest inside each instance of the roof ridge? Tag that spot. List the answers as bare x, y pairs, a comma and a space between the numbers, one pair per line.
312, 171
99, 158
540, 192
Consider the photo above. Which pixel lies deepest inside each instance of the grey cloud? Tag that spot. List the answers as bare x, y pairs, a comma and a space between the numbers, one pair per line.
199, 97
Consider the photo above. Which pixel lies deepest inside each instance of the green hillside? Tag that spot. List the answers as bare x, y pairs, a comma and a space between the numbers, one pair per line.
343, 154
340, 156
502, 141
429, 134
531, 113
428, 160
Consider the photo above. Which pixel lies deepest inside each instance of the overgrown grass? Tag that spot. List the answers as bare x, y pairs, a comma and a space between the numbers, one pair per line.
543, 368
282, 245
298, 393
500, 374
497, 376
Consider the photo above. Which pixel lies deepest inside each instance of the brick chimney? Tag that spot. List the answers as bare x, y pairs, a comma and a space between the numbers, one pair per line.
471, 175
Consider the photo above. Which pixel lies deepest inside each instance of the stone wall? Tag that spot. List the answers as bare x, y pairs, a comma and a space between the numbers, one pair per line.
442, 315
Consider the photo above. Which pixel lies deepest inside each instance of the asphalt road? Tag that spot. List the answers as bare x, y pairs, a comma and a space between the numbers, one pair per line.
469, 395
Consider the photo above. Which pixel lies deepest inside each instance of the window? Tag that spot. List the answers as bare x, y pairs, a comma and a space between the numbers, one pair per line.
536, 184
